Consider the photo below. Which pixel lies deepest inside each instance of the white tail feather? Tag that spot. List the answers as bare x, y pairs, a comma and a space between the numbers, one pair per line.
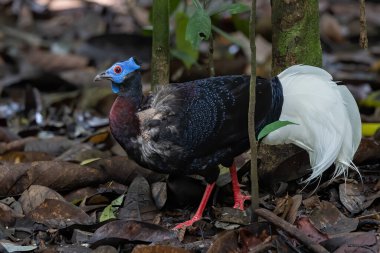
329, 126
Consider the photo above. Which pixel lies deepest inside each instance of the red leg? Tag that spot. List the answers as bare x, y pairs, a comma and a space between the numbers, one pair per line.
198, 215
238, 196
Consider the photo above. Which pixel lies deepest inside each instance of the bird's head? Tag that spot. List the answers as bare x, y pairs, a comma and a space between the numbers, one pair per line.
119, 73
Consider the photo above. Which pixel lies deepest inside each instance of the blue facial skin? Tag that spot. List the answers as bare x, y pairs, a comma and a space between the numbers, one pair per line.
126, 67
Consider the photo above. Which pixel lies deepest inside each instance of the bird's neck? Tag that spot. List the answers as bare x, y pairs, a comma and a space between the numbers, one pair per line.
132, 88
269, 103
124, 122
277, 100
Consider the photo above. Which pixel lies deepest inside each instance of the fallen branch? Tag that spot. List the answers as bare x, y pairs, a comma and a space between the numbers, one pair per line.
291, 230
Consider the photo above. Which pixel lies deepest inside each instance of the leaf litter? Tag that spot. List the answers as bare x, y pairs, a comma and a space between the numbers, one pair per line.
67, 186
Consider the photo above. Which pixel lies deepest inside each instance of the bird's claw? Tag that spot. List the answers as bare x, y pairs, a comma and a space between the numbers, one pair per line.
187, 223
239, 201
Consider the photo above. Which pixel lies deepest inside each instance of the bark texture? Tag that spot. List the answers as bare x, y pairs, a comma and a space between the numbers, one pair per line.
160, 49
295, 34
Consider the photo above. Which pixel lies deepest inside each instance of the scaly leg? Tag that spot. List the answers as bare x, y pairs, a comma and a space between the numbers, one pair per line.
238, 196
198, 215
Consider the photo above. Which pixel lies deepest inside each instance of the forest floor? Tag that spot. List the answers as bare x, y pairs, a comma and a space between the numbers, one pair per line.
67, 186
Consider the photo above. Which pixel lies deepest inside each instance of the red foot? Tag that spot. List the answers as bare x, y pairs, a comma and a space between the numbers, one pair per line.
187, 223
202, 205
238, 196
239, 201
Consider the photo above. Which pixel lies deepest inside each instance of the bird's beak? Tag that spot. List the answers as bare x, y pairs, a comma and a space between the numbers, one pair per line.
102, 76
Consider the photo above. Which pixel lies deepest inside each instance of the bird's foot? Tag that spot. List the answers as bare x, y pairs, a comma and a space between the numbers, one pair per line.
240, 198
187, 223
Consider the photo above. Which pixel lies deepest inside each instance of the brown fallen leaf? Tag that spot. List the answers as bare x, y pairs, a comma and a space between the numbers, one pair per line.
231, 215
50, 62
82, 152
119, 231
355, 198
78, 195
59, 214
138, 203
16, 145
311, 202
254, 235
283, 206
99, 137
329, 220
158, 249
123, 170
305, 226
159, 194
80, 237
368, 150
339, 240
69, 248
364, 243
24, 156
53, 146
225, 242
105, 249
7, 215
59, 176
36, 195
7, 135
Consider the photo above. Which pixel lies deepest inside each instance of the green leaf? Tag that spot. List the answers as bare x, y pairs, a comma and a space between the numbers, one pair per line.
227, 36
241, 23
197, 4
230, 8
198, 28
372, 100
109, 211
186, 58
173, 4
273, 127
184, 49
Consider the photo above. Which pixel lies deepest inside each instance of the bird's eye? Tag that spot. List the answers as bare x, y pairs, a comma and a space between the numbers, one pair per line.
117, 69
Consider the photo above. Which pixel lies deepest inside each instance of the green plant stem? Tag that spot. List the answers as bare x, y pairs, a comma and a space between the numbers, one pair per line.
160, 48
251, 115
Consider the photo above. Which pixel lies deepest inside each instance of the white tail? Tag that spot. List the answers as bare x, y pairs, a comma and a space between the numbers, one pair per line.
329, 125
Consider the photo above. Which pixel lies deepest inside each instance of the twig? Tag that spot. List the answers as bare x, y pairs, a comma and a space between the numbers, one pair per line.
262, 247
363, 26
368, 215
211, 65
251, 114
290, 229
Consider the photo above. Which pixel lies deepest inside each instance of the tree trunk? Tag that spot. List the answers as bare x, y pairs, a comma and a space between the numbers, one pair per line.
160, 48
295, 34
295, 40
251, 115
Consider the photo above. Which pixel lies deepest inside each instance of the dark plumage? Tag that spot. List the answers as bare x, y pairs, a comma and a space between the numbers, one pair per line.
189, 128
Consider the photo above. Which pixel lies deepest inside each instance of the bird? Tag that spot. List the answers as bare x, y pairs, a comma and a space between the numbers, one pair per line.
192, 127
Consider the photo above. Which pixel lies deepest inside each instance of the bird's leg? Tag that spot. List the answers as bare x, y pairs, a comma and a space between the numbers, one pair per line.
238, 196
198, 215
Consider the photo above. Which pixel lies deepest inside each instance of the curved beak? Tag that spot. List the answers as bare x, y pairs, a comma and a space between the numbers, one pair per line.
102, 76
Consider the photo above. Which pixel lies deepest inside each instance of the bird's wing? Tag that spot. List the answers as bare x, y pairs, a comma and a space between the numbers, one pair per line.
198, 118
